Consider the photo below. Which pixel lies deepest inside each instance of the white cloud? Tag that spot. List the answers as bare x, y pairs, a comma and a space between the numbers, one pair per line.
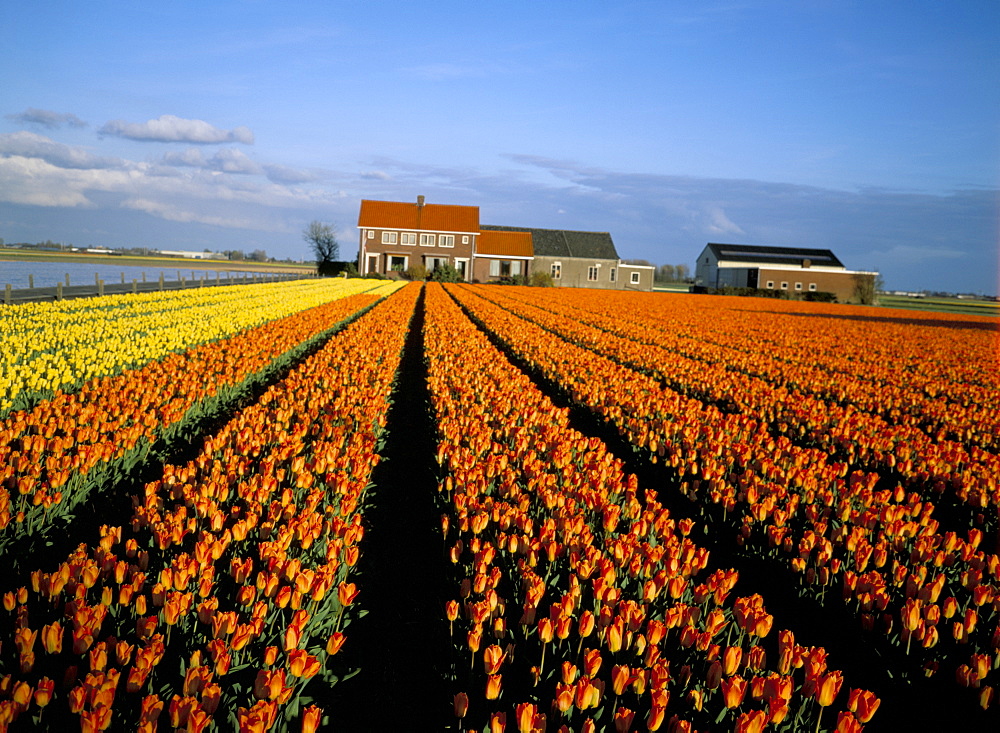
32, 145
719, 223
174, 212
230, 160
37, 182
46, 118
191, 157
284, 174
169, 128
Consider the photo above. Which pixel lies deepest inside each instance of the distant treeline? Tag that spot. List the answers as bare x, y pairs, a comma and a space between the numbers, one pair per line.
665, 273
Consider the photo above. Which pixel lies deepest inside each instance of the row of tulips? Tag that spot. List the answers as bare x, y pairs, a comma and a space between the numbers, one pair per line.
581, 604
917, 373
840, 529
223, 604
53, 457
57, 346
859, 438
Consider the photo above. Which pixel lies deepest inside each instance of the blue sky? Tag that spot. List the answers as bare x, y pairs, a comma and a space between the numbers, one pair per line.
869, 128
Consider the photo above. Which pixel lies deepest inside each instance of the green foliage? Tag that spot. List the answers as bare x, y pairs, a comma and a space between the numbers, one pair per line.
540, 280
512, 280
751, 292
820, 296
415, 272
446, 274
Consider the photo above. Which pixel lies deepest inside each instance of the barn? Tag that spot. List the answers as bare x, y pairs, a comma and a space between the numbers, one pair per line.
797, 270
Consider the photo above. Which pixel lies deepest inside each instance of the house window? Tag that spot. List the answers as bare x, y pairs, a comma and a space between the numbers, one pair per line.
612, 273
515, 267
388, 237
812, 287
784, 285
397, 263
446, 240
408, 238
426, 240
465, 239
635, 278
592, 273
798, 286
770, 284
371, 234
556, 270
435, 262
494, 268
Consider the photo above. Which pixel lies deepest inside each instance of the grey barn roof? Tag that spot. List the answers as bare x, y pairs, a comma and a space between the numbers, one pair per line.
565, 243
774, 255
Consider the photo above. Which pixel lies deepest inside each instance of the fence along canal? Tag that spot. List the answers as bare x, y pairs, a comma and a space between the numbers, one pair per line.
63, 290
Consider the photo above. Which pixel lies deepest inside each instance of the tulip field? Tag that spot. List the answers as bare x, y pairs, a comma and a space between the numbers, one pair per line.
652, 512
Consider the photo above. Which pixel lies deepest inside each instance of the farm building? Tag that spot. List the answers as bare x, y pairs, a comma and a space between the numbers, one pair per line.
582, 259
795, 269
395, 235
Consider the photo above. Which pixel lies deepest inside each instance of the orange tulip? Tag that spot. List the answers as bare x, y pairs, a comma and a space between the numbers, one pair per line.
335, 643
302, 664
734, 690
752, 722
461, 704
863, 704
493, 657
494, 683
827, 687
623, 720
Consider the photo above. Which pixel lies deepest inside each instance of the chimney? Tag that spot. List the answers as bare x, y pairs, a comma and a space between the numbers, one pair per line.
806, 264
420, 201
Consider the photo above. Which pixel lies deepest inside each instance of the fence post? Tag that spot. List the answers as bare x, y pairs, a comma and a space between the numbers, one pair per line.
100, 288
67, 279
161, 280
135, 285
59, 290
123, 278
31, 281
6, 294
144, 276
97, 279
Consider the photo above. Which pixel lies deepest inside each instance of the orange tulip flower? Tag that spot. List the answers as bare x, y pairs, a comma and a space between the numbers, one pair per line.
493, 657
863, 704
734, 690
827, 687
494, 684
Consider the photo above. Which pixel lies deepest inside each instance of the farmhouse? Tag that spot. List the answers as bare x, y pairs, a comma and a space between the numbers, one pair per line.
395, 235
581, 259
795, 269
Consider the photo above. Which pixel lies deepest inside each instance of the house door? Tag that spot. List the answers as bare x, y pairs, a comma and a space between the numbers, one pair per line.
752, 275
462, 265
372, 264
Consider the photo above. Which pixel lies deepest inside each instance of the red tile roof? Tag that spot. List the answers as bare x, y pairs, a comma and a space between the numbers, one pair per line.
505, 244
429, 217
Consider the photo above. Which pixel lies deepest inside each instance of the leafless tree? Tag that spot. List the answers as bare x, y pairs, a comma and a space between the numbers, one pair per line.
323, 239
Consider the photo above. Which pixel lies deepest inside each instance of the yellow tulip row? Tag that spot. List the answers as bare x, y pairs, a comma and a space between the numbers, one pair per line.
59, 345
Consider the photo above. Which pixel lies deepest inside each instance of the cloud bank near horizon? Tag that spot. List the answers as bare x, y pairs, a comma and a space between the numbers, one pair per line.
918, 240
